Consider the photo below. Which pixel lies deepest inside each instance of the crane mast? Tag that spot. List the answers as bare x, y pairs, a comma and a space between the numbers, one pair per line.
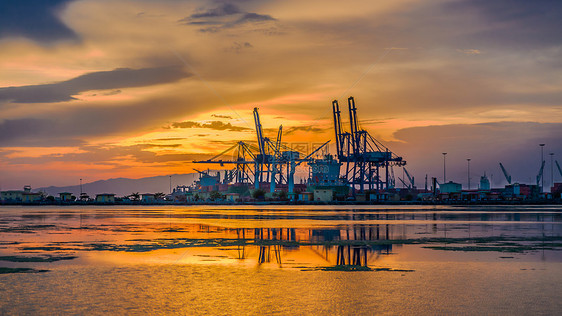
410, 178
506, 174
368, 163
539, 176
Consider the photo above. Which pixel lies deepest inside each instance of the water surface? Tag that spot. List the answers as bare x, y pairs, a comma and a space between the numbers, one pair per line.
281, 259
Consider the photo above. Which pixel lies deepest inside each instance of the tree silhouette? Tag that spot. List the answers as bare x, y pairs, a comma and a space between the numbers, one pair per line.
215, 195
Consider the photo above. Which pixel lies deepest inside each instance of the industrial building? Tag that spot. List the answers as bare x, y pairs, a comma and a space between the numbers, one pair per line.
24, 196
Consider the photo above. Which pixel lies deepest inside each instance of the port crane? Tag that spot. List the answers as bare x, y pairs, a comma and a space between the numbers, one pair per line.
506, 174
264, 159
541, 171
410, 178
252, 164
559, 169
363, 155
242, 156
273, 157
411, 183
270, 162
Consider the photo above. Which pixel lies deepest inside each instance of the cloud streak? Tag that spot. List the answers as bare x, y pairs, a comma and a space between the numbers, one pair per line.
224, 16
101, 80
307, 129
222, 116
519, 23
214, 125
35, 132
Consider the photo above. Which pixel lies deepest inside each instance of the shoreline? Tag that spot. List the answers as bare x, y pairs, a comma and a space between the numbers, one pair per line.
262, 203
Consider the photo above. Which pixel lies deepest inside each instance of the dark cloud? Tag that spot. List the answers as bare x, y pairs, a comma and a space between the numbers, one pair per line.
219, 11
73, 125
9, 128
32, 132
113, 92
515, 22
428, 26
221, 126
307, 129
222, 116
163, 145
34, 19
238, 47
185, 124
102, 80
254, 17
214, 125
110, 155
224, 16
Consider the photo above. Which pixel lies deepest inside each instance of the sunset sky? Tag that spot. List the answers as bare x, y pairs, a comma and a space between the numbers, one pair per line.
98, 89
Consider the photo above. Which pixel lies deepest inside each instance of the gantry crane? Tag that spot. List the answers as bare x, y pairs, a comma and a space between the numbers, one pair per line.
267, 162
363, 155
243, 158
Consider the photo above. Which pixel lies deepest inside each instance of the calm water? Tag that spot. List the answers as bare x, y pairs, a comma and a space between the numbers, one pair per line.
279, 259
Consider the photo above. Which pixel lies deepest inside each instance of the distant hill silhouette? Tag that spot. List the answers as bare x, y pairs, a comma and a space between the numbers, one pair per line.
125, 186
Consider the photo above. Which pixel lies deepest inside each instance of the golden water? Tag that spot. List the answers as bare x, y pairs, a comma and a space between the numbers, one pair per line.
261, 260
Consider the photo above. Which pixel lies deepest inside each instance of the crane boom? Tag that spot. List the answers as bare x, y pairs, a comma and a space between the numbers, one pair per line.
559, 169
311, 154
200, 172
355, 140
410, 178
259, 132
337, 128
278, 142
539, 176
507, 175
404, 183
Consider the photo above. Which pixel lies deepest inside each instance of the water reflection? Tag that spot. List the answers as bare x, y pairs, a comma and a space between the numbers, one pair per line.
342, 247
273, 236
279, 237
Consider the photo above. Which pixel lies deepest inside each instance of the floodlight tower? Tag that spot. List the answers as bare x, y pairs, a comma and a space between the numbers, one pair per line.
551, 170
444, 169
542, 161
468, 171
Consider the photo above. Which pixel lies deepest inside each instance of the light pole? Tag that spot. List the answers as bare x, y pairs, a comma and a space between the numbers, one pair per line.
444, 169
80, 186
542, 159
468, 171
551, 170
170, 184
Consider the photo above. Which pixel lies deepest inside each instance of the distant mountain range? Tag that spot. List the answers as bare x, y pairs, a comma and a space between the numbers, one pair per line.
124, 186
